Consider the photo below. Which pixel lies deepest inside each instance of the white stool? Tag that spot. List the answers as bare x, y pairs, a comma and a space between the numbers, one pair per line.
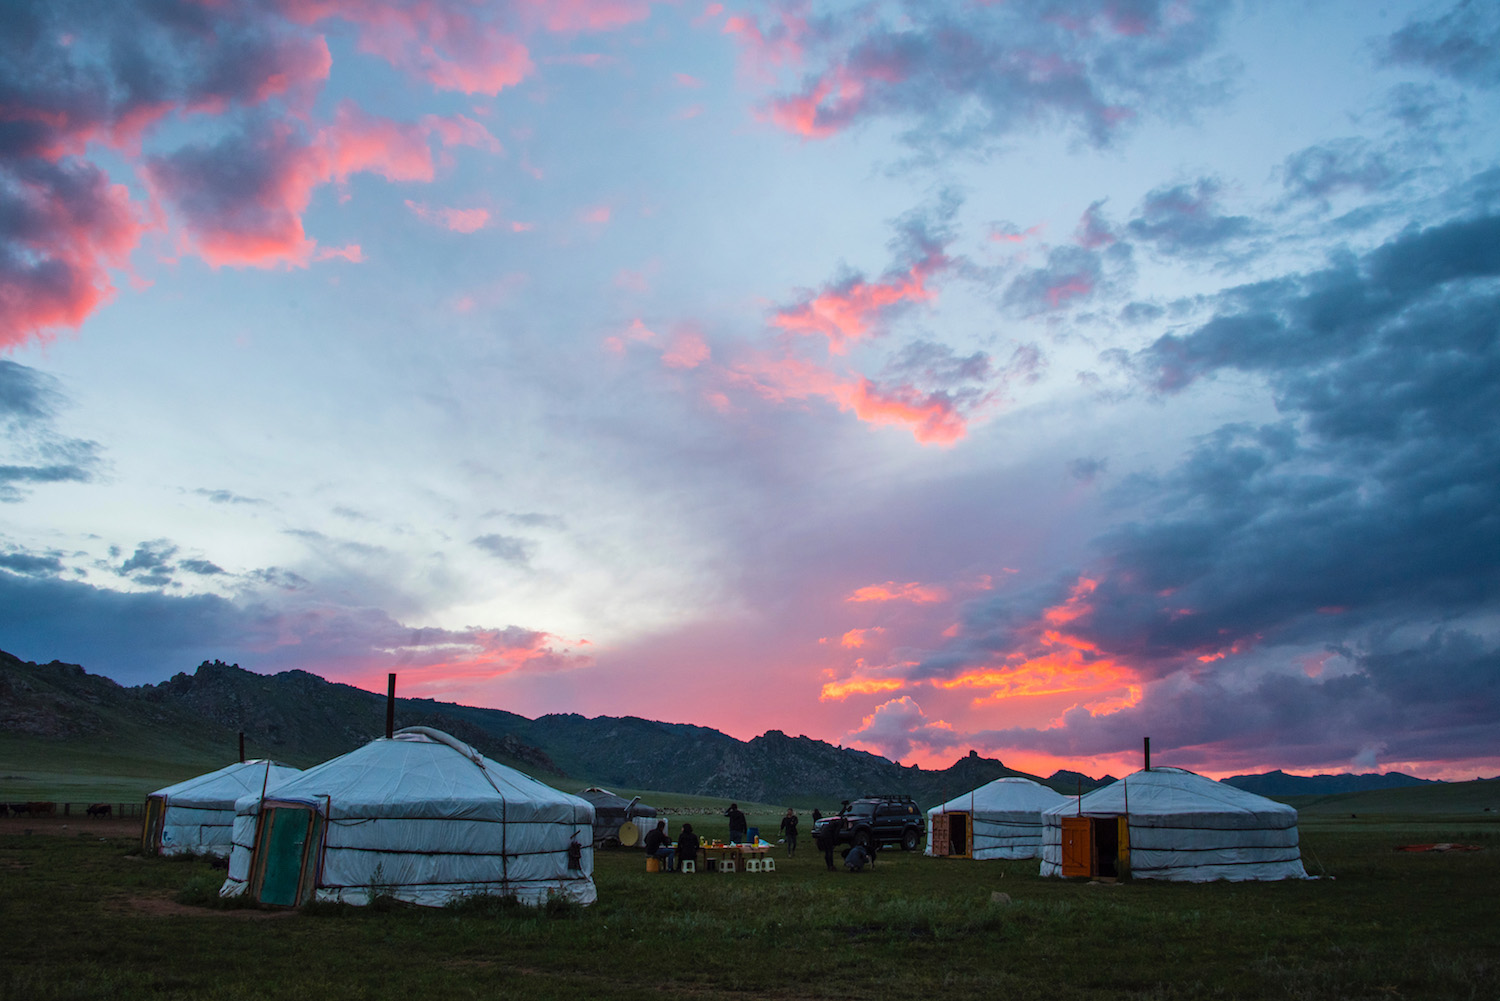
752, 865
768, 864
725, 864
688, 865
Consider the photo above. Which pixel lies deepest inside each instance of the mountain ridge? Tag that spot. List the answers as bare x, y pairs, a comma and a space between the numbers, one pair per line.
302, 719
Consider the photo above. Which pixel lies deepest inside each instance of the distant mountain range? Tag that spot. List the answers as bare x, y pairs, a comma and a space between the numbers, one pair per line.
302, 719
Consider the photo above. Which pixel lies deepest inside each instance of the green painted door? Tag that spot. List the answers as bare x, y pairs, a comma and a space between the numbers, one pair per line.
284, 854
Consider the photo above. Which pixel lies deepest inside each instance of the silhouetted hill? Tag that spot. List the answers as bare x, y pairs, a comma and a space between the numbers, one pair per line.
1279, 783
302, 719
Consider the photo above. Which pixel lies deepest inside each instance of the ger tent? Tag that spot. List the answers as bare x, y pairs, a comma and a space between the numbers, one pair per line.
1170, 823
999, 820
611, 812
421, 817
196, 816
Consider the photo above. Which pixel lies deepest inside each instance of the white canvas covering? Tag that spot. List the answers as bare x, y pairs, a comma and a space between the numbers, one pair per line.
198, 813
1006, 817
1186, 827
437, 818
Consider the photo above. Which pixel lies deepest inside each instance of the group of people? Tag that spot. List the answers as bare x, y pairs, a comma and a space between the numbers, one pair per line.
660, 847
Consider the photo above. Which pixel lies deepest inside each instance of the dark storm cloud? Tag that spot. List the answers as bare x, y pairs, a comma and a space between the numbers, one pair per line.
1185, 219
1071, 276
1463, 43
965, 76
32, 564
1363, 524
76, 75
1433, 700
37, 454
1315, 173
142, 637
226, 497
506, 547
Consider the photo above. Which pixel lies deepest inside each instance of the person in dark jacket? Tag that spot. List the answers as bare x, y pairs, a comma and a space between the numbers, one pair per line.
659, 846
687, 846
826, 838
789, 832
736, 823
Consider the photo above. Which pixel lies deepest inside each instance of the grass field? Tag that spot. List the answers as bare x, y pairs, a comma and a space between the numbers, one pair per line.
85, 917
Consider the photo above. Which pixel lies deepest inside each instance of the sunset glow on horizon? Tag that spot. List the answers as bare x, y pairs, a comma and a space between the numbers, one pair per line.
921, 377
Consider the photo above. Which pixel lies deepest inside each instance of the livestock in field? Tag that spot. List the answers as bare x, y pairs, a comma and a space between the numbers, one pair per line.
100, 810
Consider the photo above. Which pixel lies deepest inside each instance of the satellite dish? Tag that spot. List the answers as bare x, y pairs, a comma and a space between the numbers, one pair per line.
629, 834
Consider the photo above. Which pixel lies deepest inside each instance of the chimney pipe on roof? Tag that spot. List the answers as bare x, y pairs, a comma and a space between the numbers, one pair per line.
390, 706
1148, 754
242, 747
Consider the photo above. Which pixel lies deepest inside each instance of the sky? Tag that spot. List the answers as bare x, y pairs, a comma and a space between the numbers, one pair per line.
923, 377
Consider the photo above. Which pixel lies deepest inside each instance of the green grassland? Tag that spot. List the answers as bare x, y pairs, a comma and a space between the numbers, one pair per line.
86, 917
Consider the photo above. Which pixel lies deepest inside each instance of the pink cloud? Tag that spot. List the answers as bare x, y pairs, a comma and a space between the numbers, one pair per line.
690, 112
442, 43
588, 15
457, 220
242, 200
458, 130
846, 312
687, 350
66, 225
598, 214
687, 80
636, 333
932, 418
358, 142
351, 253
763, 52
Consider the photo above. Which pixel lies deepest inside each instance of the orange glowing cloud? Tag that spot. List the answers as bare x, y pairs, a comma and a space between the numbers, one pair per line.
1053, 660
917, 594
837, 690
1075, 607
855, 638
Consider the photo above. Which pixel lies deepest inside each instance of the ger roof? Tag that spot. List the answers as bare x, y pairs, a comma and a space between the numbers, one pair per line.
421, 772
222, 787
1012, 794
1173, 791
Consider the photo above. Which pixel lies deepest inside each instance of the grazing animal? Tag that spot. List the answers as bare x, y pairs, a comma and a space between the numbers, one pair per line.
20, 808
42, 809
101, 810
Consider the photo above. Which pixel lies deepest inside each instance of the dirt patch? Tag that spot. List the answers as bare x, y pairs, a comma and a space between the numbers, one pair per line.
165, 907
57, 825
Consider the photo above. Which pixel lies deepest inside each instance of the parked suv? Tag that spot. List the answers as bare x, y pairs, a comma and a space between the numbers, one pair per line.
877, 821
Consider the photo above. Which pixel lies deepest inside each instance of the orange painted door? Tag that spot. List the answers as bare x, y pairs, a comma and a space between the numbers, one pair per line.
1077, 846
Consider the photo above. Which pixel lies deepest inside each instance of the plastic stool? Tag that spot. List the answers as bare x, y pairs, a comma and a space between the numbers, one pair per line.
768, 864
752, 865
687, 865
725, 865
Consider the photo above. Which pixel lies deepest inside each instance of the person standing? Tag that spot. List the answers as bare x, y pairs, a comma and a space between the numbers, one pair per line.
789, 832
826, 838
736, 823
